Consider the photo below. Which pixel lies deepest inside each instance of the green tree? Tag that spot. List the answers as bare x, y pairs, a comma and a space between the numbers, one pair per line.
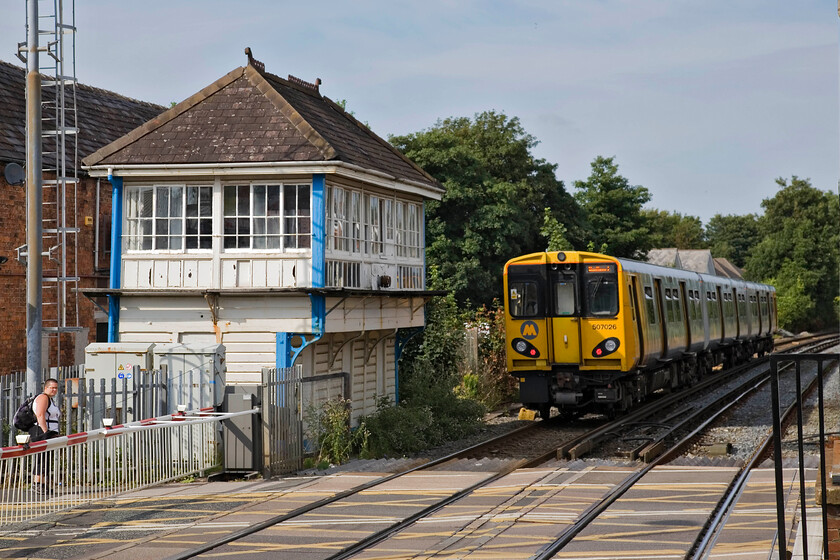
613, 210
554, 232
733, 237
672, 229
799, 250
492, 210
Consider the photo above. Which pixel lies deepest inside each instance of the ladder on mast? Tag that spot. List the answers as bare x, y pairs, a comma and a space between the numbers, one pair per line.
60, 149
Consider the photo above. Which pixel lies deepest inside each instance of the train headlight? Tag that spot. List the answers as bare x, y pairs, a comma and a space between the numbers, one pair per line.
561, 256
522, 346
606, 347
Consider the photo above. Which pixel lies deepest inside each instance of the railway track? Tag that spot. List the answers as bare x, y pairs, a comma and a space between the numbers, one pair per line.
527, 447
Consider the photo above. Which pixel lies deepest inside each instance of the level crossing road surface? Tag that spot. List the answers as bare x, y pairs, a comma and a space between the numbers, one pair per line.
511, 518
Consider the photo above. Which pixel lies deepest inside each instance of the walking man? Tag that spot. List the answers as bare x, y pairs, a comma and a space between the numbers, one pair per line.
46, 426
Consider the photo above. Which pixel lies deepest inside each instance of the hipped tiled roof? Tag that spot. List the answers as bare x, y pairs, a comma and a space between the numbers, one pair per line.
103, 116
250, 115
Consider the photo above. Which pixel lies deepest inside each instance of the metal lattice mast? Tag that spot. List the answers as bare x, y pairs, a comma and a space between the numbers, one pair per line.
56, 26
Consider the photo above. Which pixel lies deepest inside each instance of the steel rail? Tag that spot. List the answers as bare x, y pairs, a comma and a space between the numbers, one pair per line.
640, 413
596, 509
708, 535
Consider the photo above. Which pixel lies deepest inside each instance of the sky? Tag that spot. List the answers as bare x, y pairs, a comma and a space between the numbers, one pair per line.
704, 102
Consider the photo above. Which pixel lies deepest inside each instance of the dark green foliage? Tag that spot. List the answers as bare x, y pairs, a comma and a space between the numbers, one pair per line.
798, 251
613, 210
555, 233
493, 207
490, 384
429, 411
733, 237
672, 229
336, 441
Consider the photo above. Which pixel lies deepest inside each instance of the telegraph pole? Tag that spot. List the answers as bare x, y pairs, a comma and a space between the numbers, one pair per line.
34, 199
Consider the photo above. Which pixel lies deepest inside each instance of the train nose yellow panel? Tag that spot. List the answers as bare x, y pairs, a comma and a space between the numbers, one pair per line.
566, 340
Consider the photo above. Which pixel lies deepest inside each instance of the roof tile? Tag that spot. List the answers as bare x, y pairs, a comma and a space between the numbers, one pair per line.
103, 116
249, 115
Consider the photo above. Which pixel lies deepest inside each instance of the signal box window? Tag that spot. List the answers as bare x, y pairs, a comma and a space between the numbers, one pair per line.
524, 299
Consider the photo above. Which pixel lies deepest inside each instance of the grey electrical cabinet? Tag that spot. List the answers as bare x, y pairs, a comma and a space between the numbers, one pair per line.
196, 373
117, 360
242, 435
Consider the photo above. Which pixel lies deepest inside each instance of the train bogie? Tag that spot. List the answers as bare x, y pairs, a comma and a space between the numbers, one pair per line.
587, 331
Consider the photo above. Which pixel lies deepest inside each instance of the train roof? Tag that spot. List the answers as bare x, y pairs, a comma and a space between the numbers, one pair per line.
631, 265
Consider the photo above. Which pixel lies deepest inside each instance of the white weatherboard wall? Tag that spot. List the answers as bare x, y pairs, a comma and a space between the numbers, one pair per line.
247, 326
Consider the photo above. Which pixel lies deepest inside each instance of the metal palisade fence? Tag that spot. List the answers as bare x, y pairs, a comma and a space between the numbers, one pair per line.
84, 403
282, 420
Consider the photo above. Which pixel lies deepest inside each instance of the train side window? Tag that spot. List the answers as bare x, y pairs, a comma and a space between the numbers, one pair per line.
524, 299
649, 305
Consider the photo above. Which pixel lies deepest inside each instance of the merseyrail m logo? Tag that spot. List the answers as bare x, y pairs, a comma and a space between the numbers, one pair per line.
529, 330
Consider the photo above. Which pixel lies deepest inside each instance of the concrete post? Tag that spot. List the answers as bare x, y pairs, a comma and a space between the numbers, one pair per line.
34, 196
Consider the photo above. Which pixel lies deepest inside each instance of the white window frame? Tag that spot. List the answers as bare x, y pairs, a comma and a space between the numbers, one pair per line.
264, 225
156, 221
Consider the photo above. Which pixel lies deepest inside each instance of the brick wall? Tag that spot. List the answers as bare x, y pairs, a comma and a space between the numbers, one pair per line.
13, 273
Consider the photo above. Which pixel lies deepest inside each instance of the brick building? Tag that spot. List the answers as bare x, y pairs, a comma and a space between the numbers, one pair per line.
102, 117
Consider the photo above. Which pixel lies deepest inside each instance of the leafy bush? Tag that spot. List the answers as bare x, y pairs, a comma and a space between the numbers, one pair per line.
336, 441
409, 428
429, 412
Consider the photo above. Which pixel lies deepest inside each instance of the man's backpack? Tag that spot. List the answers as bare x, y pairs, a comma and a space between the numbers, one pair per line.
25, 416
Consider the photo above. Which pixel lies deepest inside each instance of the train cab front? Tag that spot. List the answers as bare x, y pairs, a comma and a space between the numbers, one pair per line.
564, 330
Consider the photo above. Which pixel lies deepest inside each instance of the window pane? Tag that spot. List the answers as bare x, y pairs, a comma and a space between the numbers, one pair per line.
192, 202
162, 202
206, 198
564, 298
273, 200
146, 198
176, 202
524, 299
230, 201
289, 200
243, 200
259, 200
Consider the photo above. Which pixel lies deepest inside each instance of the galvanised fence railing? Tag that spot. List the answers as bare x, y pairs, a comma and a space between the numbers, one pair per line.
85, 402
102, 463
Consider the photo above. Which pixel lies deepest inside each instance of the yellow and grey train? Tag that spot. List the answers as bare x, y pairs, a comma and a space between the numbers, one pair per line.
590, 332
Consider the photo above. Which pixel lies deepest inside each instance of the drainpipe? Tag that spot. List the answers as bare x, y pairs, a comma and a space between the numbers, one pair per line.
116, 255
286, 354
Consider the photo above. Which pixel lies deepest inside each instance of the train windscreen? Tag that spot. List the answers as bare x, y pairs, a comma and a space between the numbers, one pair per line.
601, 281
526, 286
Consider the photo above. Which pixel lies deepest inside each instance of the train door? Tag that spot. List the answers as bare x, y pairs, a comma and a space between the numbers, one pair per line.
657, 282
683, 301
634, 301
565, 315
722, 311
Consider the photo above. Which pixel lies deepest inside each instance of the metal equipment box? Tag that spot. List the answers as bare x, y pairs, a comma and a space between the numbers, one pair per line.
196, 373
242, 435
116, 360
